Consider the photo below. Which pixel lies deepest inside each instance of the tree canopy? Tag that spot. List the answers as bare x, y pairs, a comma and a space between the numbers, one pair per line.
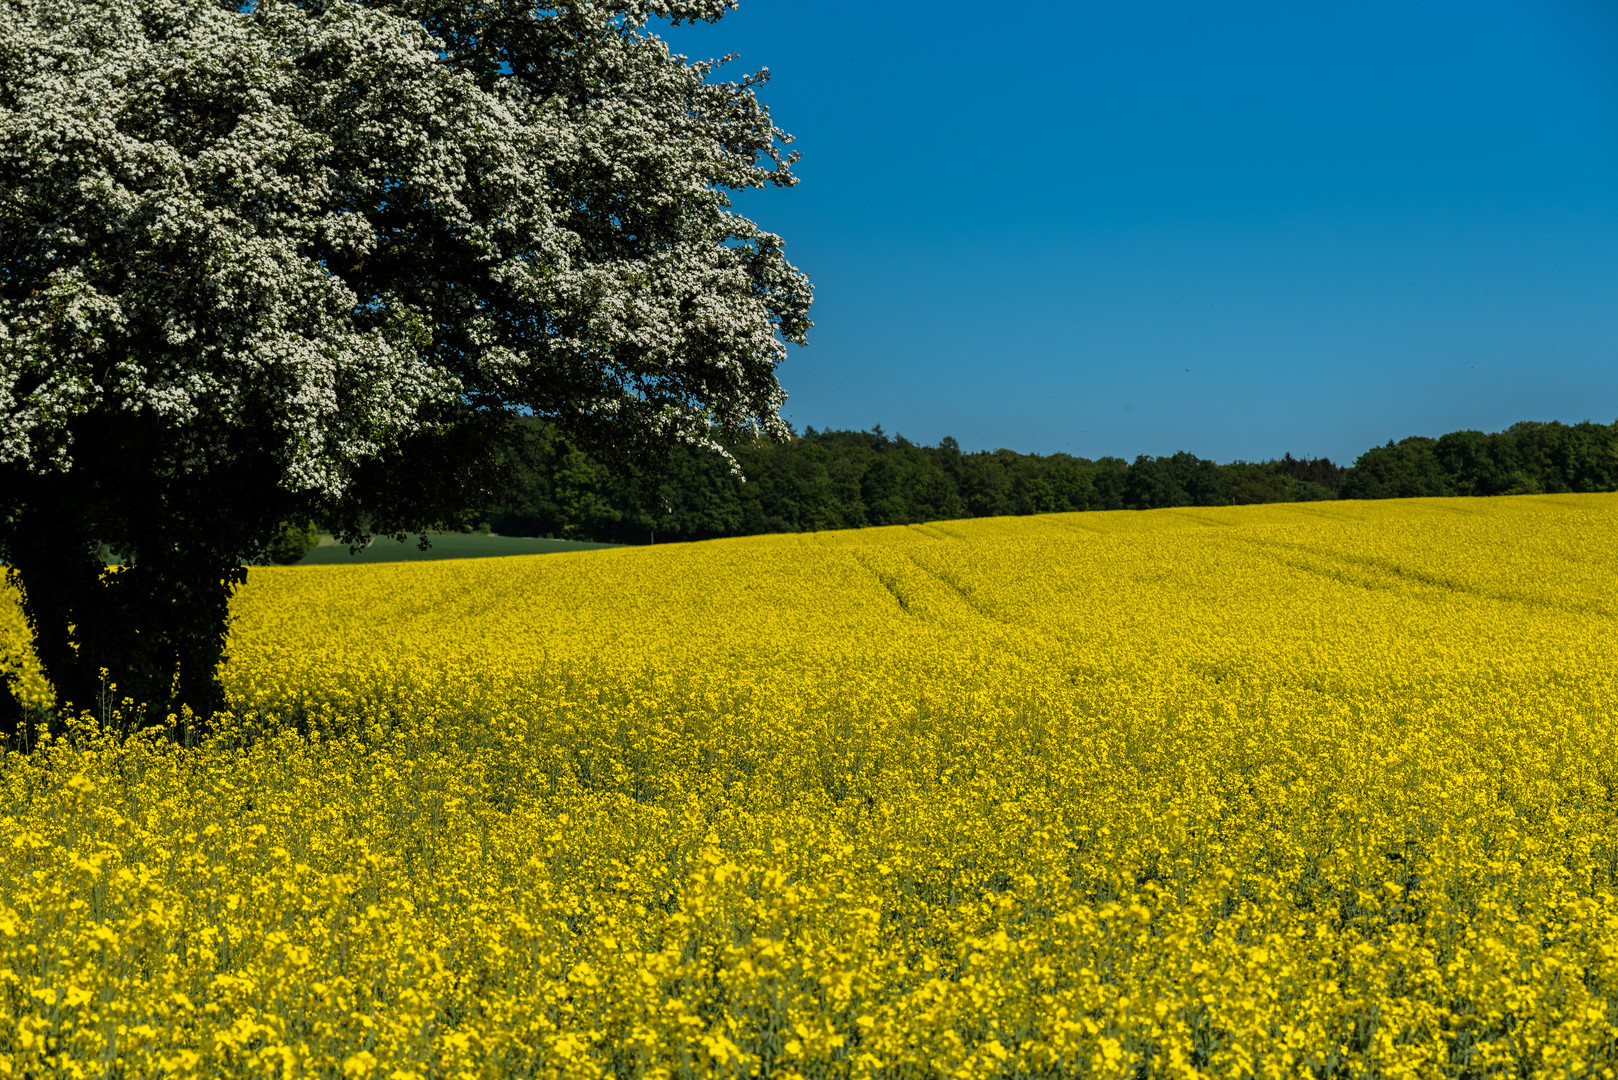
315, 260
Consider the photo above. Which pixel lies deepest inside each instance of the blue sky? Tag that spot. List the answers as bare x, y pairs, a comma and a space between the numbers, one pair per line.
1239, 229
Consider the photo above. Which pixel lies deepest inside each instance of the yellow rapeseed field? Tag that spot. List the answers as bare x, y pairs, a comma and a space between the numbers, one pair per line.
1302, 790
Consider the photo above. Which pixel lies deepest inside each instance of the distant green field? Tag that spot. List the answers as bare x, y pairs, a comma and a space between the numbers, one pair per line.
444, 546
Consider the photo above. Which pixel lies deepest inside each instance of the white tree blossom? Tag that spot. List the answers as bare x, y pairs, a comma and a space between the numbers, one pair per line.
332, 223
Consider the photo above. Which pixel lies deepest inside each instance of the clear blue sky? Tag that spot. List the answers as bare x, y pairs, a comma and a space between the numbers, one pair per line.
1238, 229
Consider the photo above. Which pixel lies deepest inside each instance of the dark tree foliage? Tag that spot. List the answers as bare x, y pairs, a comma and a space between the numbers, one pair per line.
1403, 470
851, 479
1527, 458
847, 480
1181, 480
1322, 473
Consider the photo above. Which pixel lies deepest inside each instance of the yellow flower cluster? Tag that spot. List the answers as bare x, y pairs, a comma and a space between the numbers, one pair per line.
1302, 790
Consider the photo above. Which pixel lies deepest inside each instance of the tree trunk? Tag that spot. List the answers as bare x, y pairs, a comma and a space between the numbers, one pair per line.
140, 642
56, 576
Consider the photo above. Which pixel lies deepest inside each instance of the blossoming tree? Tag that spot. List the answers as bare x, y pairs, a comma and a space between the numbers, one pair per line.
311, 259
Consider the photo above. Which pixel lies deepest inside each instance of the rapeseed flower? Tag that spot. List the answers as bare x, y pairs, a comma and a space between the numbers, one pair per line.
1258, 791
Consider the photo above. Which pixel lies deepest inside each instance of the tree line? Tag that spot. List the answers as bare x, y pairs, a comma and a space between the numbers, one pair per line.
850, 479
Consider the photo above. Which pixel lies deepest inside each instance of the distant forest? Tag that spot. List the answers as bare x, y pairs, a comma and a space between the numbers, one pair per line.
849, 479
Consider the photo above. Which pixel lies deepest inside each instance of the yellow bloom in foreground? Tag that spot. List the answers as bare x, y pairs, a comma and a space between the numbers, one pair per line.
1259, 791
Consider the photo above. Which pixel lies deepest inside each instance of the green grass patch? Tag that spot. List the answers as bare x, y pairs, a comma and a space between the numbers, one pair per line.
444, 546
